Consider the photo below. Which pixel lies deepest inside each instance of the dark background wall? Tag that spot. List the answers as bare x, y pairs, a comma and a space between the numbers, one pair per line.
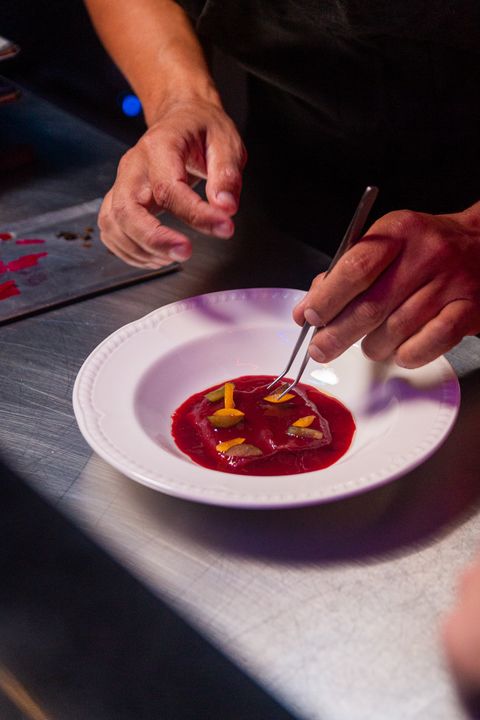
62, 60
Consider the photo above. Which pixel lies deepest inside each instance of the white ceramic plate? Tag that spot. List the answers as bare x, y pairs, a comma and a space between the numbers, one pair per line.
128, 388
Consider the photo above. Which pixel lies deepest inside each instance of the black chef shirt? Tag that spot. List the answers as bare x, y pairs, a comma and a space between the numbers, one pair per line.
343, 93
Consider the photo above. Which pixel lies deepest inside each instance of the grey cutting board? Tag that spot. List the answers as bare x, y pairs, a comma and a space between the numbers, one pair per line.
71, 269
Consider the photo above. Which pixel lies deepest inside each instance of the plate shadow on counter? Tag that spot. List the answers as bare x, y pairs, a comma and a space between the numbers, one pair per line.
394, 519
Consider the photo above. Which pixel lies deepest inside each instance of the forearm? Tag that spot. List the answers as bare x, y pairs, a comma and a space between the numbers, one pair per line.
156, 48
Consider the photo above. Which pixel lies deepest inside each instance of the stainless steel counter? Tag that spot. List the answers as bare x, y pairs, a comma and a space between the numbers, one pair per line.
334, 609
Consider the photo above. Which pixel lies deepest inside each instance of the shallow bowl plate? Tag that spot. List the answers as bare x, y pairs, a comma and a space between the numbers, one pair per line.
128, 388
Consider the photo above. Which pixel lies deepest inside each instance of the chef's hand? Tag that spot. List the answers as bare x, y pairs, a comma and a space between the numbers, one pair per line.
188, 139
462, 631
411, 286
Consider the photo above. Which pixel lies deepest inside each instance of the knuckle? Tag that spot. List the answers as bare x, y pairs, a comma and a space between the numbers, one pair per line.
368, 313
356, 265
330, 339
164, 193
398, 324
408, 222
447, 329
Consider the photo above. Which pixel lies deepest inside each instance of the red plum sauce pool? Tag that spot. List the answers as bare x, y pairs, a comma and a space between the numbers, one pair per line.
265, 426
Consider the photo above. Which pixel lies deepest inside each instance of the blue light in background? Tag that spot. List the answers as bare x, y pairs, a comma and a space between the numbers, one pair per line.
131, 105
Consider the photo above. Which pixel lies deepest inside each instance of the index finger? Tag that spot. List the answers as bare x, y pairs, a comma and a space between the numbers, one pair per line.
354, 273
168, 180
179, 199
151, 236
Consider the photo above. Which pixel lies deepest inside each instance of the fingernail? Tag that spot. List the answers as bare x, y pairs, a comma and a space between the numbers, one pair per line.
227, 199
178, 253
313, 318
224, 229
316, 354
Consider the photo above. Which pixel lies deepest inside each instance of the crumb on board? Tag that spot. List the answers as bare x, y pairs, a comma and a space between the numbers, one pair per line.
69, 235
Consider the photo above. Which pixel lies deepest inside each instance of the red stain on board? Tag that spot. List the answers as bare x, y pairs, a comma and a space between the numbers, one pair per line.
6, 235
21, 263
29, 241
8, 289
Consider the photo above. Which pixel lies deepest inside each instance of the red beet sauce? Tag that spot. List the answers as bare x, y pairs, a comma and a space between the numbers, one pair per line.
265, 425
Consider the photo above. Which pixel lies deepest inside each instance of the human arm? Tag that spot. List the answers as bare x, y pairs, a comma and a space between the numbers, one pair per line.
410, 287
189, 134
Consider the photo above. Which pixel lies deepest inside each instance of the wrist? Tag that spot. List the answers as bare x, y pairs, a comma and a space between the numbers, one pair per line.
181, 88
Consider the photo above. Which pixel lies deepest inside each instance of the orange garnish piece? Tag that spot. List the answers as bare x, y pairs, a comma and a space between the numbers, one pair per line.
229, 411
229, 388
304, 421
274, 397
227, 444
226, 417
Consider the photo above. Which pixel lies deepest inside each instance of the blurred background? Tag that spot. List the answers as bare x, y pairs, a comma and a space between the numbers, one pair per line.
62, 60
